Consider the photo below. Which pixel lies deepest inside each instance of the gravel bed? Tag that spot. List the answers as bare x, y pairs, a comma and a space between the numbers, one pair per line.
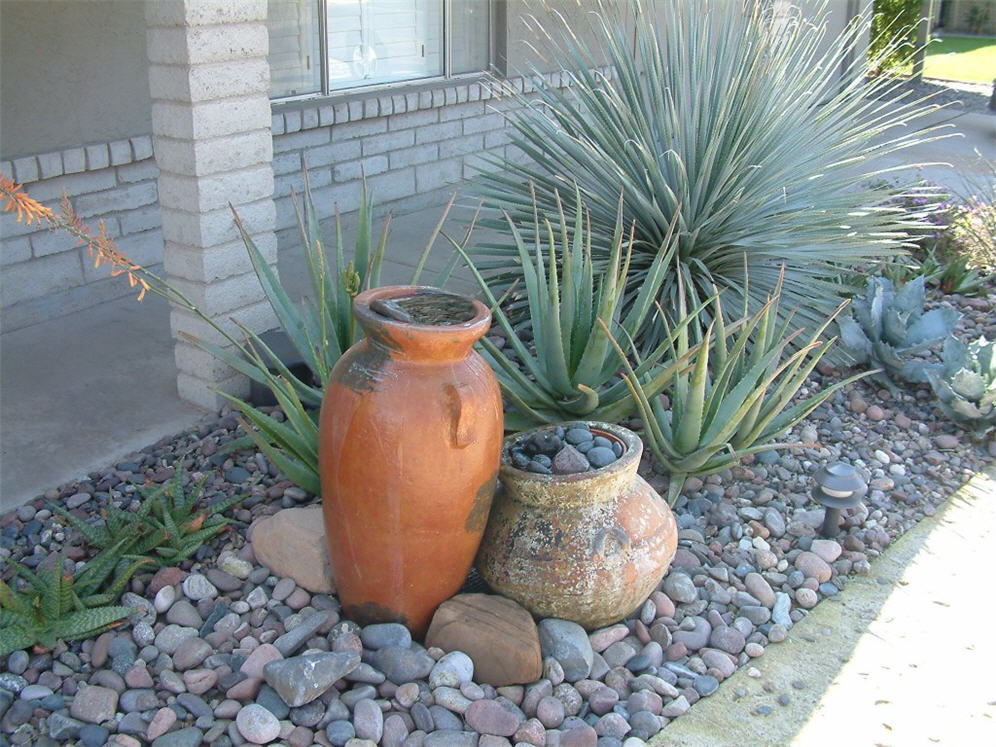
189, 668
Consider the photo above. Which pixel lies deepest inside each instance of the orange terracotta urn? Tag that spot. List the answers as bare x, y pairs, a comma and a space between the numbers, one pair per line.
588, 547
409, 446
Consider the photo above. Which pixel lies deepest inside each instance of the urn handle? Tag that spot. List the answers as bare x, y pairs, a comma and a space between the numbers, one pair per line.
459, 404
622, 541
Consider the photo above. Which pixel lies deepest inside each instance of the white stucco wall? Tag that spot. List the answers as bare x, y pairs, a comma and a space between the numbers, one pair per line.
73, 72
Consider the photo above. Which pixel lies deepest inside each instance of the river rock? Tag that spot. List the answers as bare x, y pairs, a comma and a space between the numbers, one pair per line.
292, 544
568, 643
301, 679
497, 634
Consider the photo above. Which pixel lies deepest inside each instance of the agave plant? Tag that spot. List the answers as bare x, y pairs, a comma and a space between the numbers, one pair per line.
169, 525
571, 372
735, 399
738, 116
59, 604
965, 383
889, 327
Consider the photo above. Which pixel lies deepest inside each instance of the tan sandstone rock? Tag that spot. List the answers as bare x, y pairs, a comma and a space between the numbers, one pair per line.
291, 543
498, 634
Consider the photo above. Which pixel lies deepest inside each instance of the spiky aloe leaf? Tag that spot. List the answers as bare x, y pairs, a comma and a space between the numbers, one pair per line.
90, 622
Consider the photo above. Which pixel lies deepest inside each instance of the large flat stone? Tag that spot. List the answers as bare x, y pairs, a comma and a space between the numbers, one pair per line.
498, 634
291, 543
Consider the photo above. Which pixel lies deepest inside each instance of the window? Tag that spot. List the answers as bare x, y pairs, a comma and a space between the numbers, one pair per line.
324, 46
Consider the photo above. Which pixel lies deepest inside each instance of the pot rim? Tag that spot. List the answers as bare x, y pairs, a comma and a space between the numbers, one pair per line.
362, 301
628, 461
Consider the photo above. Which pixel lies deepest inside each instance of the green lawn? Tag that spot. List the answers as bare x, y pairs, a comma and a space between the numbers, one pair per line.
971, 59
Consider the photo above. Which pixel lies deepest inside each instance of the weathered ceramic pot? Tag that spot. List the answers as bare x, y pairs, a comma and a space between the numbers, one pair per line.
588, 547
409, 446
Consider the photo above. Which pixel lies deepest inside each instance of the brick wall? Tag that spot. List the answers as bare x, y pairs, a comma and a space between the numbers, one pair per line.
408, 144
45, 274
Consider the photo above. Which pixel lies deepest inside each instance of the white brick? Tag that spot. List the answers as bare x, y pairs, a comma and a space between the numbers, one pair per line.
461, 111
120, 152
277, 124
326, 115
202, 194
218, 226
73, 161
330, 155
204, 394
309, 119
413, 119
424, 100
484, 123
477, 163
399, 103
348, 171
50, 191
292, 121
14, 250
414, 155
346, 196
44, 243
142, 147
39, 277
222, 296
287, 163
461, 146
216, 263
437, 132
496, 139
438, 97
451, 96
25, 170
50, 165
194, 360
177, 46
355, 110
203, 12
218, 155
139, 220
439, 174
119, 198
340, 112
97, 156
390, 141
392, 186
359, 129
318, 177
11, 227
210, 118
299, 140
138, 172
411, 101
385, 106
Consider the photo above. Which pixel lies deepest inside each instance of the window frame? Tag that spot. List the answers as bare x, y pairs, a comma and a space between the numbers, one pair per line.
447, 52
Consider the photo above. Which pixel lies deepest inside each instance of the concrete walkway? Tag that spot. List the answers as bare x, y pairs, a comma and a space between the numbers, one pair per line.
903, 657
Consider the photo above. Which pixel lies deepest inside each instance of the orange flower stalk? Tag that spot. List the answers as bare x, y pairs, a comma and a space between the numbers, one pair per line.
28, 209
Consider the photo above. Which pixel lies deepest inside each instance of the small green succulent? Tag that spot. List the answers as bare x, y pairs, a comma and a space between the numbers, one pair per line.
889, 326
169, 525
965, 383
60, 604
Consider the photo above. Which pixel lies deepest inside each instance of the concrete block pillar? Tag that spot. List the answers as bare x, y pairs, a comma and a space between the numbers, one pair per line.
209, 80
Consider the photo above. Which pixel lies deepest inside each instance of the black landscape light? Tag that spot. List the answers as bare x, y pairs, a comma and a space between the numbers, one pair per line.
838, 486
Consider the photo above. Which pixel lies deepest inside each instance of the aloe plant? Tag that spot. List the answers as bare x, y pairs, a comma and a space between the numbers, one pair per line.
735, 399
571, 371
59, 604
740, 119
169, 525
889, 327
965, 383
321, 329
